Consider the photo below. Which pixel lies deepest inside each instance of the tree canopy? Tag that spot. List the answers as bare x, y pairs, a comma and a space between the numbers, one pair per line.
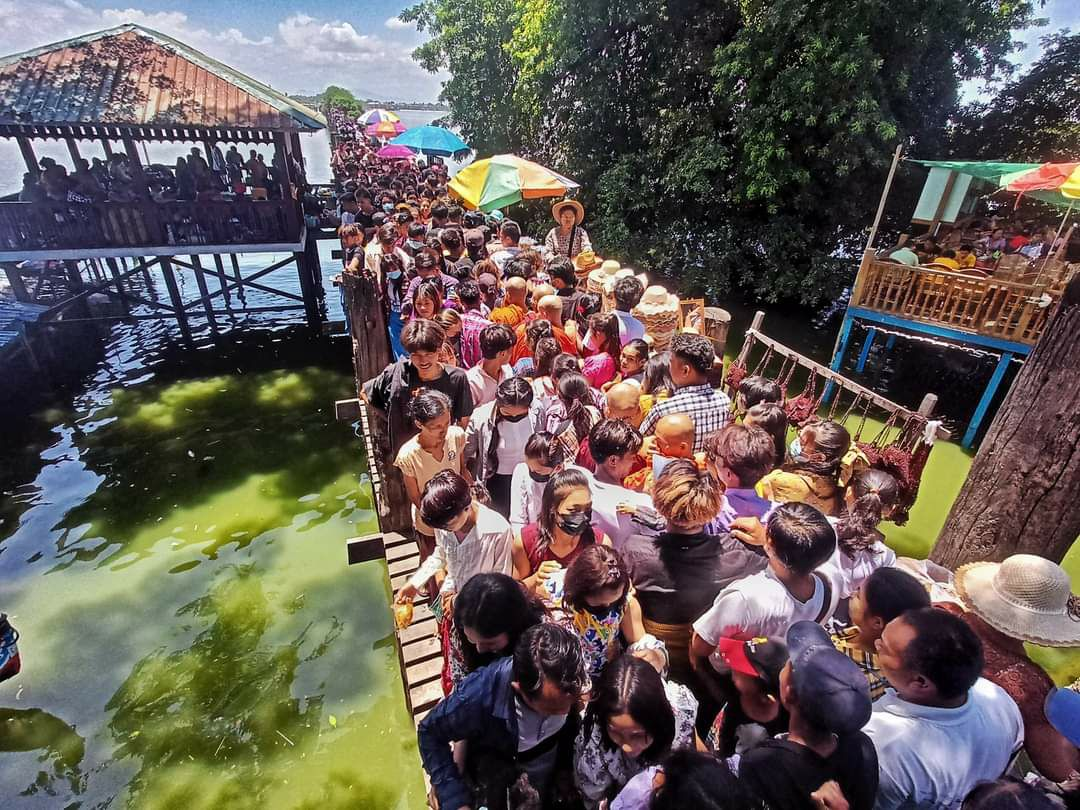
334, 96
1034, 118
720, 142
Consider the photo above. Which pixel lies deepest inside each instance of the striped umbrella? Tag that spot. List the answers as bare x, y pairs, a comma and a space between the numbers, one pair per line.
503, 180
375, 116
385, 129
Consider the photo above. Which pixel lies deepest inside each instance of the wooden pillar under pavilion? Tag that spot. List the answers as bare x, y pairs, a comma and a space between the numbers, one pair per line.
27, 150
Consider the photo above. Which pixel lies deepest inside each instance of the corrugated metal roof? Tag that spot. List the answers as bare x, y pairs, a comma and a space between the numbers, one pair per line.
132, 76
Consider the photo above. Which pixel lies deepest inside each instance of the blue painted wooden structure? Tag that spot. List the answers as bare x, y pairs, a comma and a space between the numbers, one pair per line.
997, 315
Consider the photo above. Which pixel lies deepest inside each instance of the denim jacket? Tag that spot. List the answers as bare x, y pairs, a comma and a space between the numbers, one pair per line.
480, 710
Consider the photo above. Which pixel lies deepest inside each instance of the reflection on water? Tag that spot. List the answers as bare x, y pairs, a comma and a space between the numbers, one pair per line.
172, 551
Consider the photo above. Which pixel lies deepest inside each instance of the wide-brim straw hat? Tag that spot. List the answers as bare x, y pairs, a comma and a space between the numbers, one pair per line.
579, 210
605, 273
586, 261
656, 301
1025, 597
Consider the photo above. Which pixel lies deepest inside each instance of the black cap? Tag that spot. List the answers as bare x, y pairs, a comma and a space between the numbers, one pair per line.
832, 691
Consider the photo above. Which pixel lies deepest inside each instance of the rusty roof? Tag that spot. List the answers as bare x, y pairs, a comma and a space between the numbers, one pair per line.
132, 76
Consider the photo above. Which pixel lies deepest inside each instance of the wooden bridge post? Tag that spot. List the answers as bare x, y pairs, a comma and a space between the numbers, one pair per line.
371, 354
114, 269
18, 286
204, 292
219, 266
175, 297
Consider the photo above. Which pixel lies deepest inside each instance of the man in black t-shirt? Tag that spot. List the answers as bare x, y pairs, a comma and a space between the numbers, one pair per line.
828, 700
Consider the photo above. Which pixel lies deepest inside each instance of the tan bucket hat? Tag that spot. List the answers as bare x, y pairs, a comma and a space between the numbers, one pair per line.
1025, 597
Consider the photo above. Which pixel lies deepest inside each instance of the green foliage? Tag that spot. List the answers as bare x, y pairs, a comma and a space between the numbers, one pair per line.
1035, 118
730, 142
469, 40
334, 96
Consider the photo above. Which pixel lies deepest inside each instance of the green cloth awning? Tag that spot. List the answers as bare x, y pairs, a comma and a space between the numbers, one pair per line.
1000, 174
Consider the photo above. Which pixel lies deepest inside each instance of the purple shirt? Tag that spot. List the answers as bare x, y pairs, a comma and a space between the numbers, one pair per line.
472, 324
739, 503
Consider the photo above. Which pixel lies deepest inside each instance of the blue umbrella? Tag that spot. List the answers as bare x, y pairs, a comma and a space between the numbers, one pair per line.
431, 141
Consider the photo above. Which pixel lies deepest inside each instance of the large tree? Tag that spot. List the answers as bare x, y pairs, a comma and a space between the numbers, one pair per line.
719, 141
1022, 492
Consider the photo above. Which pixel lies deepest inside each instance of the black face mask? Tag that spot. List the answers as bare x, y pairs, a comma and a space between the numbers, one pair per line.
575, 523
539, 477
517, 418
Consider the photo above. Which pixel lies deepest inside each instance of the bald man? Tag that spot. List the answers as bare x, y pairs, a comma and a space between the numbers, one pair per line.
623, 402
512, 312
548, 308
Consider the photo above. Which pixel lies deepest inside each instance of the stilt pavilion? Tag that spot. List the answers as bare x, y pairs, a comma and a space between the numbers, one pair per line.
126, 87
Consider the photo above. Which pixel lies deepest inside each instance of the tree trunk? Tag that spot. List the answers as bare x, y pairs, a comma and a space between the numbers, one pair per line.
1022, 495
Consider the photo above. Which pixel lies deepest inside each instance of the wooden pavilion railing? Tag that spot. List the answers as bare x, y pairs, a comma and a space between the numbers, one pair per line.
71, 226
986, 306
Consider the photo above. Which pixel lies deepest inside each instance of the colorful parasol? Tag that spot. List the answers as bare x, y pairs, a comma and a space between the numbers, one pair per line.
385, 129
395, 152
503, 180
375, 116
432, 141
1062, 178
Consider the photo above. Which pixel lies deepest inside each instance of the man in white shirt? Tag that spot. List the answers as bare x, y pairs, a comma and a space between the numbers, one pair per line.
941, 728
613, 445
509, 236
798, 539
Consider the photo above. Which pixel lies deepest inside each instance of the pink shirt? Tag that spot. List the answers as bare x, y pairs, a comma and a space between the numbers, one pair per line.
599, 369
482, 385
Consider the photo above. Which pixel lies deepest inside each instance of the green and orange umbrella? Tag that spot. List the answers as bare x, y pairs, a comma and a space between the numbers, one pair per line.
503, 180
1052, 179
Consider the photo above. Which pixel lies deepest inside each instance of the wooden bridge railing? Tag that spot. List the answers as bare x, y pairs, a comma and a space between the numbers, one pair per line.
987, 306
52, 226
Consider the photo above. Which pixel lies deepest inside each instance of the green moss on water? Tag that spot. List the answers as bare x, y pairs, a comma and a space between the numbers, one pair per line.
191, 617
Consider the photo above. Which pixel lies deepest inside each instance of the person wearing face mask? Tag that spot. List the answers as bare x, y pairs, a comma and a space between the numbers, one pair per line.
562, 531
634, 719
469, 539
592, 597
543, 458
496, 437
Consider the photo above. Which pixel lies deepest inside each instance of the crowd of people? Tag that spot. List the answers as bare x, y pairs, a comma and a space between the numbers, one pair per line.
220, 175
646, 596
976, 246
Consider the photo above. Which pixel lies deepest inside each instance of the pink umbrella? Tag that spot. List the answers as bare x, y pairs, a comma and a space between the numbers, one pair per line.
395, 152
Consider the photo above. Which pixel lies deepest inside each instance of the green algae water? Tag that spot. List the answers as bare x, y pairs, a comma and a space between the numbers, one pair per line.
172, 551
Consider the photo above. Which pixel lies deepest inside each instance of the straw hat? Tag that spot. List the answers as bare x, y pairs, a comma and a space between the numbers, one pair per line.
1025, 597
579, 210
605, 273
586, 261
656, 301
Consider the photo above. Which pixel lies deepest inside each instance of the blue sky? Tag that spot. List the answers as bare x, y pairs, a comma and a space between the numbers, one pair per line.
303, 46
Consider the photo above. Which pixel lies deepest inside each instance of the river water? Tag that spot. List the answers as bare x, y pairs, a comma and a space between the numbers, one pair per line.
172, 550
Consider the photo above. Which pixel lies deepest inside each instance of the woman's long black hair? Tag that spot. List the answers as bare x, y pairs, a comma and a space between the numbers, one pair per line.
555, 491
512, 392
491, 604
631, 685
574, 393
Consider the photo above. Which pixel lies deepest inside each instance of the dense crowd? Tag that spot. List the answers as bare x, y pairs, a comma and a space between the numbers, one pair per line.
977, 246
646, 597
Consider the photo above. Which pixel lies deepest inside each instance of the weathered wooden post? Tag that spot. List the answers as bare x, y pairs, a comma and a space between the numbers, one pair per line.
371, 354
1022, 492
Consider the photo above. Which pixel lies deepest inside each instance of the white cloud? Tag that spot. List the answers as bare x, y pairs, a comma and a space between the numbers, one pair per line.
396, 24
307, 52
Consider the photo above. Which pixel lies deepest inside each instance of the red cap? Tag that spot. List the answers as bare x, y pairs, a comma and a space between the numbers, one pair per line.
733, 651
